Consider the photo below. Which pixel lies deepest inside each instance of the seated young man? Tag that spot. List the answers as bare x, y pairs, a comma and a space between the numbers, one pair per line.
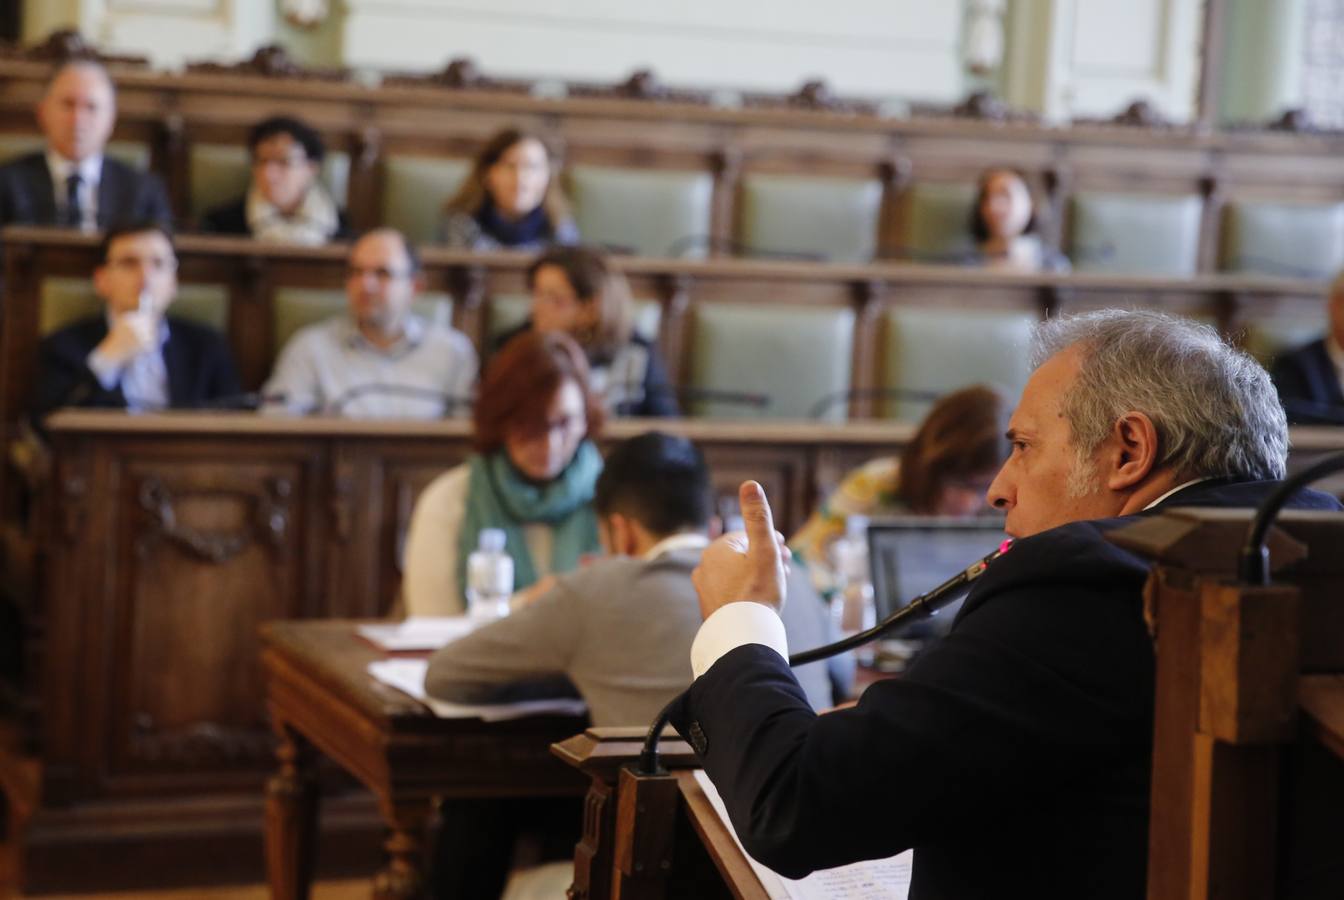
620, 629
134, 355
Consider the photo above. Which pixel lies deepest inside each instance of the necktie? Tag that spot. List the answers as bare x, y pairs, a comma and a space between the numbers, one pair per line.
74, 215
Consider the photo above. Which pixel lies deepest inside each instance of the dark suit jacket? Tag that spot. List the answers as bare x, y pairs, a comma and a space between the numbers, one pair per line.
124, 194
1014, 755
200, 367
1309, 386
232, 219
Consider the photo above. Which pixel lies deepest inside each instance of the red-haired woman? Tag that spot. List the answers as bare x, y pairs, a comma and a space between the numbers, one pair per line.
532, 475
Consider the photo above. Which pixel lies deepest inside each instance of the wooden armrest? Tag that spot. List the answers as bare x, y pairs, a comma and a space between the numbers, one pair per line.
1322, 701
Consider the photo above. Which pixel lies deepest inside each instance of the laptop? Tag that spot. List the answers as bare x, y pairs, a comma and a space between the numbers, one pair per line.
910, 555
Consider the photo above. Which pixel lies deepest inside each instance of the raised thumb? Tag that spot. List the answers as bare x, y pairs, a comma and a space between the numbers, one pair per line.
757, 520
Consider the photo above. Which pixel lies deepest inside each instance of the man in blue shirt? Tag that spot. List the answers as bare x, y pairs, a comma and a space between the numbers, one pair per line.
133, 355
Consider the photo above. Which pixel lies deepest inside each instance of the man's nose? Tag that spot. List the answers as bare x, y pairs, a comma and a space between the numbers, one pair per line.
1000, 492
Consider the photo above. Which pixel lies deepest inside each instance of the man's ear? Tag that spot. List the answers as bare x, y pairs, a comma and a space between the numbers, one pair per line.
100, 282
1131, 454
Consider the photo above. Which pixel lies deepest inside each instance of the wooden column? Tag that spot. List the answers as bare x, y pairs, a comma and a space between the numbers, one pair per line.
1212, 51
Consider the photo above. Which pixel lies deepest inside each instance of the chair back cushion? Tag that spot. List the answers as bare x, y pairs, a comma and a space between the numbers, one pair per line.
936, 221
940, 350
648, 213
795, 355
414, 191
818, 218
1296, 240
67, 300
1151, 235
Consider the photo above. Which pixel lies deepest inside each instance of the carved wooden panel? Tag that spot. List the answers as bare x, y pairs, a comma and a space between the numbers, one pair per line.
209, 551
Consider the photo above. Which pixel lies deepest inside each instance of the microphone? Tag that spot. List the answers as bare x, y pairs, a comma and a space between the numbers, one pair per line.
635, 393
921, 607
451, 402
245, 400
1253, 566
822, 406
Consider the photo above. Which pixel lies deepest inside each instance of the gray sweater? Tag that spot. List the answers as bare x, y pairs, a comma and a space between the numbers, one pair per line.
619, 631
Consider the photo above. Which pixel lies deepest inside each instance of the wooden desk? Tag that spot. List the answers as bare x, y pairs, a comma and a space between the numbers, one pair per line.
321, 700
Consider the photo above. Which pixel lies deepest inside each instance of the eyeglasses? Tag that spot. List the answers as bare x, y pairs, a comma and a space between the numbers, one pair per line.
562, 424
292, 161
379, 273
132, 263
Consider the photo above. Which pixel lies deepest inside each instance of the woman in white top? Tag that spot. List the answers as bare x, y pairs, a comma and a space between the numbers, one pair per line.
532, 475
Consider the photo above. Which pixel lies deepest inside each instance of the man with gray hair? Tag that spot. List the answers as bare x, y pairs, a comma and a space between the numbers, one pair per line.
1015, 755
72, 182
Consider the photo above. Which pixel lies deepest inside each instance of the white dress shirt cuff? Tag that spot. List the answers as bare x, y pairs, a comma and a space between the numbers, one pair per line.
733, 625
105, 370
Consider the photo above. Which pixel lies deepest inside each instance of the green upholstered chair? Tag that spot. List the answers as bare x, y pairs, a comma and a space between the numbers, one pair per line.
821, 218
942, 350
650, 213
1152, 235
937, 222
220, 173
295, 307
67, 300
133, 153
796, 355
508, 310
1267, 338
414, 191
1303, 240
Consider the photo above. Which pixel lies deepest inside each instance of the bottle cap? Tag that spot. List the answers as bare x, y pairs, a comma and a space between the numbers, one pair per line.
491, 540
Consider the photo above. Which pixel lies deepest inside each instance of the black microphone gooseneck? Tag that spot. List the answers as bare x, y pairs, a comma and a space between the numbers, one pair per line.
924, 605
1254, 567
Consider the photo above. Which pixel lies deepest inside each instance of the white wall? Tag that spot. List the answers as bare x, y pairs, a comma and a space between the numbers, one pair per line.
169, 32
908, 48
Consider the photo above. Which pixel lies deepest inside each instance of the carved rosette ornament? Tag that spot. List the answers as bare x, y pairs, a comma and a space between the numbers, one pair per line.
267, 523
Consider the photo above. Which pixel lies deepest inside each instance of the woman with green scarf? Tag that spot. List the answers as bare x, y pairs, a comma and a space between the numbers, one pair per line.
532, 476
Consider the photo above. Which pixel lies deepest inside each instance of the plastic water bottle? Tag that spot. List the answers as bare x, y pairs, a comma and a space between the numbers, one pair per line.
489, 577
853, 607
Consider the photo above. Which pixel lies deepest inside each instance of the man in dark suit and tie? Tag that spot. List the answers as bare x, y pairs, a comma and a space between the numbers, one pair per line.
73, 183
1015, 755
1310, 379
133, 355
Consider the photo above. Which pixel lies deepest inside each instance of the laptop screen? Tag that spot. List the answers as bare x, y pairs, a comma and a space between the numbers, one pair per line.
910, 555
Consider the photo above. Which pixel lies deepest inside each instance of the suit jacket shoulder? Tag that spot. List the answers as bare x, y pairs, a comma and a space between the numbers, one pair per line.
126, 194
26, 193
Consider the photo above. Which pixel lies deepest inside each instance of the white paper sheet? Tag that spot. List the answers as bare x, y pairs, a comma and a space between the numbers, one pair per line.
874, 879
416, 633
408, 676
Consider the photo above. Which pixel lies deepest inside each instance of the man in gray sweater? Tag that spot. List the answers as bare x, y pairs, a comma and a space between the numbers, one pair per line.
619, 631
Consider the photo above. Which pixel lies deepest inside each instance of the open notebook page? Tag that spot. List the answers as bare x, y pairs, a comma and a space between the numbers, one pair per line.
873, 879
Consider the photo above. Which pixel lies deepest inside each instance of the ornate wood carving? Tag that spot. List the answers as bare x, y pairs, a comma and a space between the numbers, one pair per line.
1294, 121
63, 45
73, 506
270, 61
269, 522
199, 745
593, 852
